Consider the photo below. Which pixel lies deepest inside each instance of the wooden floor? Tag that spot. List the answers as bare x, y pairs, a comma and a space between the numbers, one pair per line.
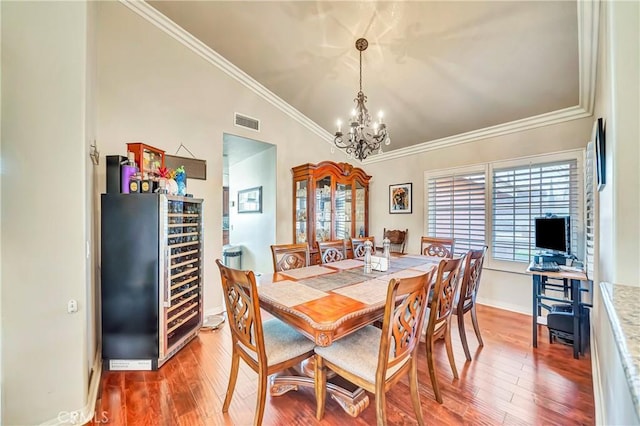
508, 382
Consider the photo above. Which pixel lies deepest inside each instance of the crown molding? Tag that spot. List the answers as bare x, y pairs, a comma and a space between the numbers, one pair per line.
588, 24
547, 119
179, 34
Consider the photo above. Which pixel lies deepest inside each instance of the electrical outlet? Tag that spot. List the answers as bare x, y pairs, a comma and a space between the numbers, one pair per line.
72, 306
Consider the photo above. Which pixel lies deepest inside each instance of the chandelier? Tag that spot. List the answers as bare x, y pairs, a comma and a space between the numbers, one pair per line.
363, 137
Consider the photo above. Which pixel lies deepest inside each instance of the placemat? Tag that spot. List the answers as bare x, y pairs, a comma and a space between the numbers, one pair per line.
289, 293
332, 281
309, 271
405, 273
345, 264
408, 261
371, 292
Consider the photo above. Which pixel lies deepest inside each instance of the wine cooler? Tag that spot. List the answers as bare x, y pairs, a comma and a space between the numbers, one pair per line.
151, 289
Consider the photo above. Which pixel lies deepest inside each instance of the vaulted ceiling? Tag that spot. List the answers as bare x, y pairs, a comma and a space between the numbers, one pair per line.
440, 70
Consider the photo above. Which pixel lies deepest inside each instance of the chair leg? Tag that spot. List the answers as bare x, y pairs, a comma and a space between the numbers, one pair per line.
233, 376
447, 342
432, 369
463, 335
381, 415
320, 384
262, 397
474, 319
415, 395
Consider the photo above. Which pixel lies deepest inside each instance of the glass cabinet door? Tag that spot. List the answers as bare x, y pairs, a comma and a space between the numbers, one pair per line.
360, 208
343, 211
323, 209
301, 211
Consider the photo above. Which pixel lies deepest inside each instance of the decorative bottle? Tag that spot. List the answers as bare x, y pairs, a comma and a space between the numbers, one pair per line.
386, 245
367, 256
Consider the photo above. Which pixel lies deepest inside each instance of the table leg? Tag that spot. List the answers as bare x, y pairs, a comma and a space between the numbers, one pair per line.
351, 398
536, 309
575, 298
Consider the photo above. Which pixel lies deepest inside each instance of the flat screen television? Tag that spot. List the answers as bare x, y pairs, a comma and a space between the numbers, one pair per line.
553, 234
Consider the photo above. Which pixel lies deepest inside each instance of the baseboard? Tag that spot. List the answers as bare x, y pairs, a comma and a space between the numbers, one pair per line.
88, 412
506, 306
596, 378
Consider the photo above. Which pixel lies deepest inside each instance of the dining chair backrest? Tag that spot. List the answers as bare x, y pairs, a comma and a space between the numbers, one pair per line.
405, 307
357, 246
467, 300
331, 251
241, 299
289, 256
437, 246
470, 282
397, 238
444, 293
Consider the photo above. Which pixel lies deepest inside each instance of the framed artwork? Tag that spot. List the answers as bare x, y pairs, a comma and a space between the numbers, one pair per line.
601, 158
250, 200
400, 197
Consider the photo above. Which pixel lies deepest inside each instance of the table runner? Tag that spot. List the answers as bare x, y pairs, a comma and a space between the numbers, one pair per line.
332, 281
371, 292
290, 293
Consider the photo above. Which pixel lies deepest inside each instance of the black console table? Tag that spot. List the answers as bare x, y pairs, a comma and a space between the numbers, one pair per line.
573, 279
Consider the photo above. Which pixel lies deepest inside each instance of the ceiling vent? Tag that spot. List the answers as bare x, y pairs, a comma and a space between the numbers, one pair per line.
247, 122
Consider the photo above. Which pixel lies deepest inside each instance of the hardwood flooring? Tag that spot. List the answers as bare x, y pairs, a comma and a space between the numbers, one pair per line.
507, 382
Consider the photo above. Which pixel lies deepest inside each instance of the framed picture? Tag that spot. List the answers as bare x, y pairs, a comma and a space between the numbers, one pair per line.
250, 200
601, 158
400, 197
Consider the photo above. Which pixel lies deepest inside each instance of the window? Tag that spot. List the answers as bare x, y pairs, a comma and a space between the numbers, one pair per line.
496, 204
589, 210
456, 208
522, 193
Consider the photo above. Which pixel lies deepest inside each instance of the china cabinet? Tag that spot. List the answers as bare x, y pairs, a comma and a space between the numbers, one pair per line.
148, 158
330, 202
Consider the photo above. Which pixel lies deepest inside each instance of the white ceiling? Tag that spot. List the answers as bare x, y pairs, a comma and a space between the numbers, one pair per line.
436, 68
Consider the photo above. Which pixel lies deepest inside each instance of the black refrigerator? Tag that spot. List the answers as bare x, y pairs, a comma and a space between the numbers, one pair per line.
151, 278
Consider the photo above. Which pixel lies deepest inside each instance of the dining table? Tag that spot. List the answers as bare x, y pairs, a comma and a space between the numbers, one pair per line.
327, 302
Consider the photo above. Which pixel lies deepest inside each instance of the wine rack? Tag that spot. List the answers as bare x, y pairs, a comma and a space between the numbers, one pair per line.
151, 278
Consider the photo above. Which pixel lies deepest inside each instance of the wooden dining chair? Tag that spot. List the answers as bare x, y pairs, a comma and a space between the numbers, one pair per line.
436, 246
289, 256
331, 251
440, 310
397, 238
357, 246
375, 359
266, 347
468, 291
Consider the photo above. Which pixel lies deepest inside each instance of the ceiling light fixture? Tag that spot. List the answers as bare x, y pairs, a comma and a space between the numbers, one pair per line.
363, 137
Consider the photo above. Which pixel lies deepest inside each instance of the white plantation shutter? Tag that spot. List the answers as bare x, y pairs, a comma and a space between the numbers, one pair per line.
456, 208
589, 210
522, 193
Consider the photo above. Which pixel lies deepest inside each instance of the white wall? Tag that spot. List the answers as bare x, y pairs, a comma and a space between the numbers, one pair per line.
502, 289
255, 232
618, 239
151, 88
44, 209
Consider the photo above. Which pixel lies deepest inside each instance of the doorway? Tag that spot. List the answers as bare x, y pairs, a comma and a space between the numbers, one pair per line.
250, 164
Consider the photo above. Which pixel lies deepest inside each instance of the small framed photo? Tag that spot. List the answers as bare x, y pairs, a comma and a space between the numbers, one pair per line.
250, 200
400, 198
